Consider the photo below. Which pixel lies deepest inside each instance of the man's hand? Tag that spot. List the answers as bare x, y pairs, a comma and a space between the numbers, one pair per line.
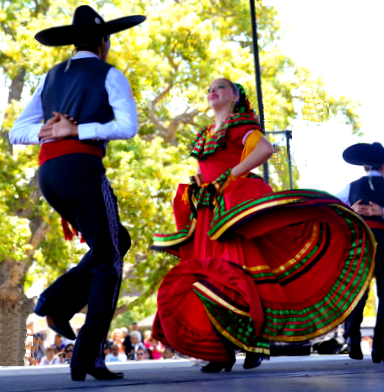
372, 209
58, 127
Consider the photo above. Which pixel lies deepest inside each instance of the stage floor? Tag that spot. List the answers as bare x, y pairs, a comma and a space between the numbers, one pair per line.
324, 373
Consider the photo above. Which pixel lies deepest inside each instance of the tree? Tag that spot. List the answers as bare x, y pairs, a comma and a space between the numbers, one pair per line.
169, 60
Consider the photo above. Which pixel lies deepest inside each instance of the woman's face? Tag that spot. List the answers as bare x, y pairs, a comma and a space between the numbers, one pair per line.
220, 95
134, 340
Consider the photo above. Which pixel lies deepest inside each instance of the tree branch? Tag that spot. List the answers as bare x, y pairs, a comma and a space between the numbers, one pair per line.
152, 115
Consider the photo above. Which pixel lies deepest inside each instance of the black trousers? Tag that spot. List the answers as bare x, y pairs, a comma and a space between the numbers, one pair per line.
76, 187
352, 323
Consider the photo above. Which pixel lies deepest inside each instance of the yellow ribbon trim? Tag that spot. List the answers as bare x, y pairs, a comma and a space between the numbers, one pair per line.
260, 350
235, 219
282, 268
216, 298
329, 327
166, 244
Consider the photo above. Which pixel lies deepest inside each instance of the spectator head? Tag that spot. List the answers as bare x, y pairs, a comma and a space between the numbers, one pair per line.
135, 337
116, 335
149, 353
115, 350
147, 335
50, 353
124, 332
134, 326
141, 354
57, 340
153, 342
69, 350
168, 353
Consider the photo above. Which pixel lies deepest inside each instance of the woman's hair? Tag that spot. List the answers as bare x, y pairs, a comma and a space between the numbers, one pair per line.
149, 353
234, 88
135, 334
242, 105
114, 332
68, 346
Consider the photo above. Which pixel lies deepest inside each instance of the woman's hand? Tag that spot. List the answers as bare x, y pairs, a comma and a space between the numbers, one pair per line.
262, 152
58, 127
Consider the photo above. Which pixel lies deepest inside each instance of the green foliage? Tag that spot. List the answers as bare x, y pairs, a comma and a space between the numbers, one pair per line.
148, 308
169, 61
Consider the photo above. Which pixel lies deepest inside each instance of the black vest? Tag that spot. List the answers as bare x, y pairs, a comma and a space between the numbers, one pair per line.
360, 189
80, 92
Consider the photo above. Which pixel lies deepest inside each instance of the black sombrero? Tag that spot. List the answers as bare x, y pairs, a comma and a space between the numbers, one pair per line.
364, 154
87, 26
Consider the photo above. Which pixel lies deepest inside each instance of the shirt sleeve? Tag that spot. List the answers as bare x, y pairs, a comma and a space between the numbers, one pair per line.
27, 126
125, 125
343, 195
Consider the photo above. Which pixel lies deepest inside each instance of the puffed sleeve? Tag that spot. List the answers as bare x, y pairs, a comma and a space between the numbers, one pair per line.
250, 141
238, 135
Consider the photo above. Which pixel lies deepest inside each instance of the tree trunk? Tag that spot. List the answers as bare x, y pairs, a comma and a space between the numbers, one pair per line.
15, 307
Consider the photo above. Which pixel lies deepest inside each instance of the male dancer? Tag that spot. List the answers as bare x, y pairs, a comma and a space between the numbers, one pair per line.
72, 177
366, 196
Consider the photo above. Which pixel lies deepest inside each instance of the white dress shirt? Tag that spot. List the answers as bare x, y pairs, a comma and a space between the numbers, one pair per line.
120, 97
343, 195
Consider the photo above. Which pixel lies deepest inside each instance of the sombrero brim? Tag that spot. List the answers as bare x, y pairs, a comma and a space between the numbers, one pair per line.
364, 154
83, 34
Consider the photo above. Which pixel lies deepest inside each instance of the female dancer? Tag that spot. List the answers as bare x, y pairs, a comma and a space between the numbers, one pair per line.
255, 265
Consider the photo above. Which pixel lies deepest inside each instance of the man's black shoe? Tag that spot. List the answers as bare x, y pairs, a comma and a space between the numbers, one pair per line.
56, 323
354, 348
62, 327
100, 374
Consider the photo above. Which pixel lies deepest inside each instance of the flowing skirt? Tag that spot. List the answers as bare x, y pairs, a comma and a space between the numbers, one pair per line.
286, 266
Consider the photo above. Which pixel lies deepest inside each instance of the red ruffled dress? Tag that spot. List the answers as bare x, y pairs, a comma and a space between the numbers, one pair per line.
261, 266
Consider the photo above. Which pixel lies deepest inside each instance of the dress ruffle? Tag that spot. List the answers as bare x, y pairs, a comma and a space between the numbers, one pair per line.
285, 266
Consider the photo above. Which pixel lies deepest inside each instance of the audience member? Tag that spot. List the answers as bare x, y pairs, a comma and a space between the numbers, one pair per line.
135, 327
115, 356
117, 338
136, 343
40, 347
49, 359
147, 337
124, 333
127, 346
168, 353
141, 353
58, 345
68, 353
156, 348
149, 353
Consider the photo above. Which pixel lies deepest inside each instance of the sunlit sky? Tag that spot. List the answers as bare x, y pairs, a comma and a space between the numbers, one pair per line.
340, 41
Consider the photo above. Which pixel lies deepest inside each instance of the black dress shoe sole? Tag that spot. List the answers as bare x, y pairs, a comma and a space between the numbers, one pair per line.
80, 375
65, 331
356, 356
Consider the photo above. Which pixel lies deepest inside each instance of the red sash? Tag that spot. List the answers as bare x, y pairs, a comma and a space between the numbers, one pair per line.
59, 148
